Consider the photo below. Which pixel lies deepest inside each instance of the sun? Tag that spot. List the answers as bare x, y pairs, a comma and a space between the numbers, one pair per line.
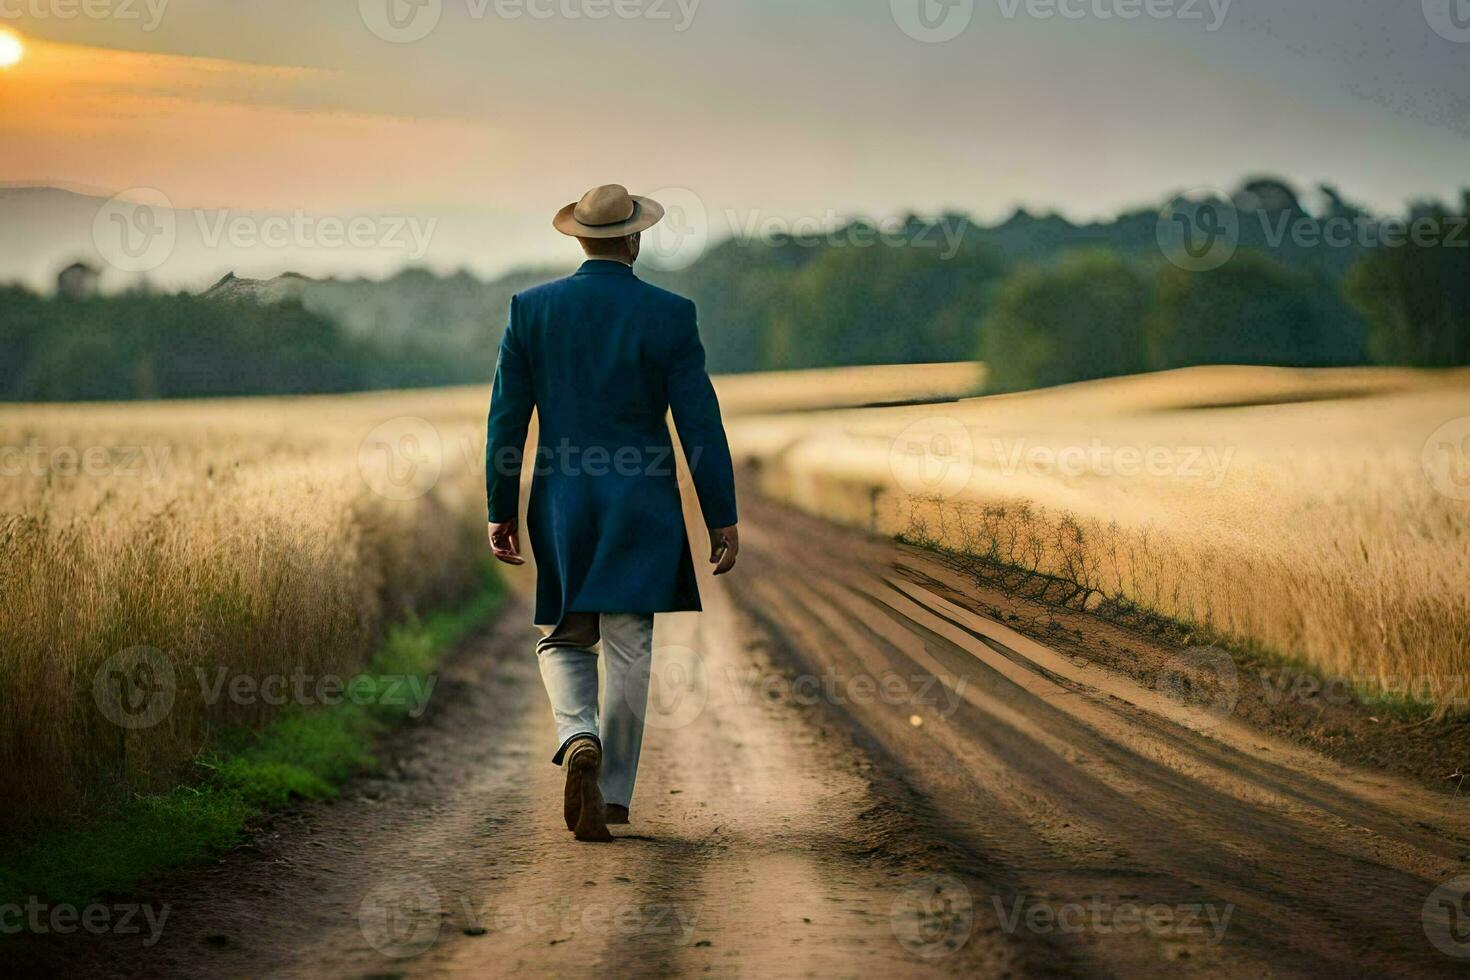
12, 49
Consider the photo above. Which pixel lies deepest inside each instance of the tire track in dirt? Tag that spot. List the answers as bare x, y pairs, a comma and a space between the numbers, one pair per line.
764, 843
781, 832
1322, 867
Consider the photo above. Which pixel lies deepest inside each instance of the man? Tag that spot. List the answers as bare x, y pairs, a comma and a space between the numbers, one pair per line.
603, 356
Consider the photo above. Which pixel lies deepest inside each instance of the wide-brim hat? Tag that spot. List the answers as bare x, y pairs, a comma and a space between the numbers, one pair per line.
608, 211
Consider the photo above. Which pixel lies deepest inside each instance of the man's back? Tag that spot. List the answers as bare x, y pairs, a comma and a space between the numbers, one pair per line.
603, 357
601, 345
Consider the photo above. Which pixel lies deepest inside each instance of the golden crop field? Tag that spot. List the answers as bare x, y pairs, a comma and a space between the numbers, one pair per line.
1323, 516
281, 536
267, 536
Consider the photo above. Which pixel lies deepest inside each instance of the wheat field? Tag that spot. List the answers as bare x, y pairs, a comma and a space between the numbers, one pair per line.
265, 537
1320, 516
1289, 510
261, 537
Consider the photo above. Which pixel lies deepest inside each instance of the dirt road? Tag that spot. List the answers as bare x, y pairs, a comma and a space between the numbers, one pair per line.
850, 771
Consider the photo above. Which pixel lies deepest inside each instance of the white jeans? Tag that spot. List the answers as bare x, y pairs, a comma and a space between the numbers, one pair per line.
569, 671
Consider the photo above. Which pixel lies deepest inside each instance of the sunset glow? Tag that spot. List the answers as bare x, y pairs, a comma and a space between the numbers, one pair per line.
11, 49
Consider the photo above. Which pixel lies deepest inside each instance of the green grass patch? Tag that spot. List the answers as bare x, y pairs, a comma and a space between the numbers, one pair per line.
304, 755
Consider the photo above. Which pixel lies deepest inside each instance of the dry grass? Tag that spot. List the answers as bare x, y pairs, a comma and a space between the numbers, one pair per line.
1311, 532
239, 534
245, 535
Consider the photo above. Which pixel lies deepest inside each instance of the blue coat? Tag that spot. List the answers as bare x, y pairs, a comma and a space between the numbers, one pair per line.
602, 356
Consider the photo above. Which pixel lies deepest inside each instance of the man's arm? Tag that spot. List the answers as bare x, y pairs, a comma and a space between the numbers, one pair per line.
702, 434
511, 402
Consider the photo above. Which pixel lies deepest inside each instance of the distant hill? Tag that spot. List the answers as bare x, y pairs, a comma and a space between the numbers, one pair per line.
45, 228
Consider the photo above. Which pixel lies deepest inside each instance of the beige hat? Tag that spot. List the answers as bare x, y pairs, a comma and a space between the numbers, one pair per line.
608, 211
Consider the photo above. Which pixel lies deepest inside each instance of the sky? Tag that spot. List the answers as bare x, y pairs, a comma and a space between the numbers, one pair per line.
481, 117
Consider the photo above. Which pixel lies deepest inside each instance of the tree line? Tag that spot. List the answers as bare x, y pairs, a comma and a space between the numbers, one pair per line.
1041, 300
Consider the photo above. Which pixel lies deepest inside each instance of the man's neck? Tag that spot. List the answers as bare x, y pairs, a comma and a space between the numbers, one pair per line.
611, 258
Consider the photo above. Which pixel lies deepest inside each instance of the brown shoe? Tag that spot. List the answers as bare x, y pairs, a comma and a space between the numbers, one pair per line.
616, 814
584, 765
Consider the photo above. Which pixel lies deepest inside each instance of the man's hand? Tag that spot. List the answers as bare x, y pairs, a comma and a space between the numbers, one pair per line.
505, 541
724, 546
